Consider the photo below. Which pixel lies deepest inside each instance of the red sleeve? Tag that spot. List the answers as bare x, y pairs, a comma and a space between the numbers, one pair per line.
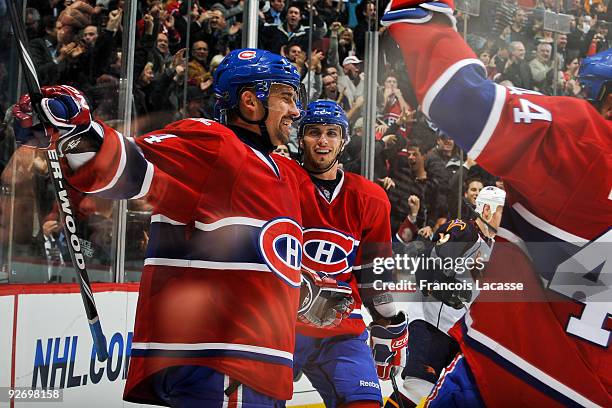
168, 166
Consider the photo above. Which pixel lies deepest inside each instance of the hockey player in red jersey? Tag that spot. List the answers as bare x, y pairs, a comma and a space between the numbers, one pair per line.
548, 345
346, 226
215, 321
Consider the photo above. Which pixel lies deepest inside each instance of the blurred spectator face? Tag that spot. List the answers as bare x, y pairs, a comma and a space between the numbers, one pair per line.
293, 17
200, 51
520, 17
333, 72
412, 153
294, 53
472, 191
543, 52
485, 57
330, 85
390, 82
446, 144
277, 5
602, 28
147, 74
573, 66
370, 11
346, 37
217, 20
64, 34
351, 70
282, 150
32, 22
517, 51
561, 41
162, 43
90, 35
503, 53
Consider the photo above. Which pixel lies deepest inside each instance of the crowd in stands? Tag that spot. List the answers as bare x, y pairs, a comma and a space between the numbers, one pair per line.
178, 49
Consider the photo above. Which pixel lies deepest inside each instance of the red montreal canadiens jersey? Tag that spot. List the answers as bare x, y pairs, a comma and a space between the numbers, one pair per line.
220, 286
537, 347
342, 236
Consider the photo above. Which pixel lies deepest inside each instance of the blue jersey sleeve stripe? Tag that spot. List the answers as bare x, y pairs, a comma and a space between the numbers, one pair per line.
230, 244
491, 125
132, 176
462, 108
444, 79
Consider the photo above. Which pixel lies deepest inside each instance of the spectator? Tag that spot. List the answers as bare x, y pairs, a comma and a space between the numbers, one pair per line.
331, 93
518, 29
274, 37
199, 68
231, 9
283, 150
541, 67
517, 70
350, 76
393, 102
596, 40
366, 23
56, 55
32, 23
274, 14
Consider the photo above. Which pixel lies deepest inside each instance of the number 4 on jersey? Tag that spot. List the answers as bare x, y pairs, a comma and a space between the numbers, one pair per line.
529, 111
587, 277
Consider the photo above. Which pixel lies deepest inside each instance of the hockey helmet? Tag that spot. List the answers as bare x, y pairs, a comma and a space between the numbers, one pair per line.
493, 196
325, 112
595, 76
258, 69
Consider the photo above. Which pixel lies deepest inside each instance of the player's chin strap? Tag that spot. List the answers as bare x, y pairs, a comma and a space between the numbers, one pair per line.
261, 122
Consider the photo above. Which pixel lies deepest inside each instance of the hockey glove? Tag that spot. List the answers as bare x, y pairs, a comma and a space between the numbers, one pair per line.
324, 302
72, 129
388, 344
417, 11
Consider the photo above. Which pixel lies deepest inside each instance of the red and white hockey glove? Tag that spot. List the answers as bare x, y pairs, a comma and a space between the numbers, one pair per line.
72, 127
388, 344
417, 11
324, 302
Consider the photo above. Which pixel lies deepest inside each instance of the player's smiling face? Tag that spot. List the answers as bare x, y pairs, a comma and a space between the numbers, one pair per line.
321, 144
282, 112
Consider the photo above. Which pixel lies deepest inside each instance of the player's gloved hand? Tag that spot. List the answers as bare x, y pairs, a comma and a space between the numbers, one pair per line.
71, 128
324, 302
388, 344
417, 11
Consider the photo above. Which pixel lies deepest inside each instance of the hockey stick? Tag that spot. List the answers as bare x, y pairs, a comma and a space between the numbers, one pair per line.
396, 388
67, 216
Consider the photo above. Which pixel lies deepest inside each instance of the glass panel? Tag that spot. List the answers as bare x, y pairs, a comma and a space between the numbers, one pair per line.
78, 49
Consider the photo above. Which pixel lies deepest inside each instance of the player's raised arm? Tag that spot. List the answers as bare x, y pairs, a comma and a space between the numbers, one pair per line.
102, 161
496, 125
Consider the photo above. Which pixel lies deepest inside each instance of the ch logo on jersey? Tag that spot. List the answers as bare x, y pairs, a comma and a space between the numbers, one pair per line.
280, 245
247, 55
328, 251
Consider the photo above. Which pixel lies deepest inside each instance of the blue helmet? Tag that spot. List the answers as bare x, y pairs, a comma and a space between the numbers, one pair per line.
255, 68
595, 75
325, 112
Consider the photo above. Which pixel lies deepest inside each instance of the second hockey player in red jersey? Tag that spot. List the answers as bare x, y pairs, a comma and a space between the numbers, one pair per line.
346, 225
549, 345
